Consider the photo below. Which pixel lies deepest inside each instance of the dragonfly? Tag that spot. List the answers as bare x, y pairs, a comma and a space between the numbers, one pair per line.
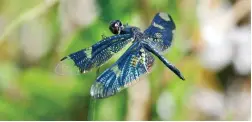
137, 60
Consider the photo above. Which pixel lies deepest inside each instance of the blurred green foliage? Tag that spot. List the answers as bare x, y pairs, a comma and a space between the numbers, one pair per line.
37, 93
31, 90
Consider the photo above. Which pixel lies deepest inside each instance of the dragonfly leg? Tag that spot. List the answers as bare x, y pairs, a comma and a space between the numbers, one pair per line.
103, 36
97, 72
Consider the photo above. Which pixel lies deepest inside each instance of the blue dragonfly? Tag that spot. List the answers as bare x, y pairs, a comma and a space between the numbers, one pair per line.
135, 62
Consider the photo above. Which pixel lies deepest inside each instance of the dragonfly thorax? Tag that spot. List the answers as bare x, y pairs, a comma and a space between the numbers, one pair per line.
138, 35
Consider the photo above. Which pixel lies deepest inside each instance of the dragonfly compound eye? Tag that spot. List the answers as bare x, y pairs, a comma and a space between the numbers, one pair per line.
115, 26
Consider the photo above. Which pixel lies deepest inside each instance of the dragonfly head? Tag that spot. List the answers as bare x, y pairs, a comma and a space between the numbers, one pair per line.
116, 26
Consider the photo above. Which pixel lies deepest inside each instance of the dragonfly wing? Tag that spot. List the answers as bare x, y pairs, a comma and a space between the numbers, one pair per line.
84, 60
135, 62
161, 31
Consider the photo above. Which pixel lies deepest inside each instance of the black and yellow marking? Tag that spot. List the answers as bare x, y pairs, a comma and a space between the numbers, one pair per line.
134, 61
116, 70
88, 52
158, 26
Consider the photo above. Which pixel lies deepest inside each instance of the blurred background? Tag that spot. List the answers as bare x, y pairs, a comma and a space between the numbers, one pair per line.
211, 48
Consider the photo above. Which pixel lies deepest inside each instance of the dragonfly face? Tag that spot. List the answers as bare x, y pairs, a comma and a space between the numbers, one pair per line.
135, 62
116, 26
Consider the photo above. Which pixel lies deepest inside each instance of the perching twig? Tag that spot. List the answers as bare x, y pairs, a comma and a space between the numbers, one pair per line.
139, 101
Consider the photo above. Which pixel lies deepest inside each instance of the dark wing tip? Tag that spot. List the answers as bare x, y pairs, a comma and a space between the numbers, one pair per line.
63, 58
165, 19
